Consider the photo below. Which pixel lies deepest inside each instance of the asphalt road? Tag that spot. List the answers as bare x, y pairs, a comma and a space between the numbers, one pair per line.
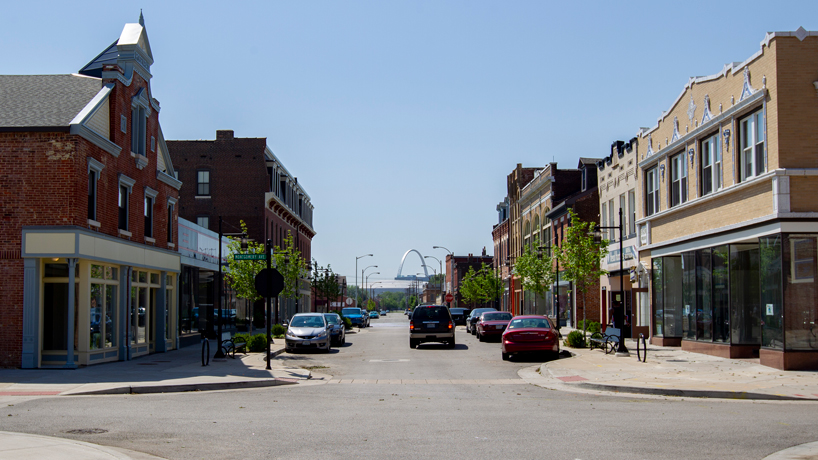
508, 419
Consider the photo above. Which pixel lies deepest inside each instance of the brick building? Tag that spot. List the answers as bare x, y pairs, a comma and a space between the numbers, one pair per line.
501, 261
569, 305
242, 179
88, 195
456, 269
617, 180
728, 221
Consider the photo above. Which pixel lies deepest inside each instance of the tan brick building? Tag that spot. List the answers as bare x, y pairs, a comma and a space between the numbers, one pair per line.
727, 219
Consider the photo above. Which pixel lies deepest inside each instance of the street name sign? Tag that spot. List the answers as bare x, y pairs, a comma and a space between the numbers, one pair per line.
250, 256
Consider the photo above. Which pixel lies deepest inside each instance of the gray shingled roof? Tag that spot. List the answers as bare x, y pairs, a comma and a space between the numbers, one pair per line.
29, 101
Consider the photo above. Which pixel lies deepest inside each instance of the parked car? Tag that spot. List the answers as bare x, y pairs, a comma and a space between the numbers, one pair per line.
374, 314
308, 331
431, 323
459, 315
471, 321
492, 324
530, 334
338, 335
383, 312
355, 316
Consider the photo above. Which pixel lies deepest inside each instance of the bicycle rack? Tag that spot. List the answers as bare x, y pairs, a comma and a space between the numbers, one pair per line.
205, 352
641, 352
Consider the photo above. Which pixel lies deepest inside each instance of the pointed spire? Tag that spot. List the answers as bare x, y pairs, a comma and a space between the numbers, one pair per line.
141, 18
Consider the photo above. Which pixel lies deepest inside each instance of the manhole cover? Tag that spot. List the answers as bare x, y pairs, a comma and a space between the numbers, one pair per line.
87, 431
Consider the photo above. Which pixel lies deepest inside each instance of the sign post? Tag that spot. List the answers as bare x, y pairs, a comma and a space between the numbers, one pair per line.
269, 283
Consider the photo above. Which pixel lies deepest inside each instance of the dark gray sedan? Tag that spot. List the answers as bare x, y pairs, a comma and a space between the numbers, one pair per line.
337, 333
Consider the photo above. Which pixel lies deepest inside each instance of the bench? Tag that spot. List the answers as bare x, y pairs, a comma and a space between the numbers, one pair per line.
233, 344
605, 340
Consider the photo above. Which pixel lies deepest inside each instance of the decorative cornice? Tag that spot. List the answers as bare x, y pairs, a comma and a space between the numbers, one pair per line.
173, 182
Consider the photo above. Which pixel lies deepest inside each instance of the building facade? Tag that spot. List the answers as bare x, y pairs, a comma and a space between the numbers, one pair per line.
88, 261
728, 223
241, 179
456, 269
502, 262
617, 184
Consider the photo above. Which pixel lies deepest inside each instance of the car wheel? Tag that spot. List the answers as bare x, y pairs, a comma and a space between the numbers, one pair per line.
343, 340
413, 343
505, 356
480, 337
452, 343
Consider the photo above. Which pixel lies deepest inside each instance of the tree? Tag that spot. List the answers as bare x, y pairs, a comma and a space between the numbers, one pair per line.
536, 271
470, 287
326, 285
292, 267
580, 256
242, 275
481, 286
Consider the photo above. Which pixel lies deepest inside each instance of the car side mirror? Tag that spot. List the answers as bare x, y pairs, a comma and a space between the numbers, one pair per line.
285, 324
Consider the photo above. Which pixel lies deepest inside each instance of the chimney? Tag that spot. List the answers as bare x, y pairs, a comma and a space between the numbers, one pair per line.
224, 134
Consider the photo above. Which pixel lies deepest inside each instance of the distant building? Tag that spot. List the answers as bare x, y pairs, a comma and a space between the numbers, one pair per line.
456, 269
241, 179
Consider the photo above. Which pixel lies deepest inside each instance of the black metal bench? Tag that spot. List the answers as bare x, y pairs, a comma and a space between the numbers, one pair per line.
234, 344
607, 340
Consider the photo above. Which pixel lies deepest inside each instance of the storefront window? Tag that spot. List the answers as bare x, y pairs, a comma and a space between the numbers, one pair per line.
721, 294
800, 293
745, 314
689, 310
704, 295
658, 298
673, 296
769, 254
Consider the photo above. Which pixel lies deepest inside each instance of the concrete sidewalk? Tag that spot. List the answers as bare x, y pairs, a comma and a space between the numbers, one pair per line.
174, 371
669, 371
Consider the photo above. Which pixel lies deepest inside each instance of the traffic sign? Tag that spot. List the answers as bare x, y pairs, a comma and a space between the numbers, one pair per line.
449, 297
250, 256
349, 301
269, 282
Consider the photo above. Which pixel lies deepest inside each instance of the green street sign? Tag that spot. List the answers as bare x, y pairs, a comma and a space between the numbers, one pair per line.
250, 256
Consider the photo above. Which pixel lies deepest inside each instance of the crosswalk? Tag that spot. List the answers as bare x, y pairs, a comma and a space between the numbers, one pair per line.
427, 382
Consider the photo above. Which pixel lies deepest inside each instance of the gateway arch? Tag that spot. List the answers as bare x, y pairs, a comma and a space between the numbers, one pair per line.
425, 277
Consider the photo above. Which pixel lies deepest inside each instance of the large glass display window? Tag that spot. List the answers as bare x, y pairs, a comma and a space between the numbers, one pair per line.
800, 294
721, 293
674, 302
745, 314
658, 297
102, 314
770, 276
690, 307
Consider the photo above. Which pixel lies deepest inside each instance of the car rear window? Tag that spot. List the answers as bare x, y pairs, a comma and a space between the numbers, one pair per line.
457, 311
524, 323
499, 316
351, 311
422, 313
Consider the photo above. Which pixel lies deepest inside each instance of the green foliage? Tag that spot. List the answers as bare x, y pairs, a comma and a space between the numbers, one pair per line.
278, 330
257, 343
325, 283
592, 326
242, 275
371, 305
536, 271
481, 286
347, 323
575, 339
292, 267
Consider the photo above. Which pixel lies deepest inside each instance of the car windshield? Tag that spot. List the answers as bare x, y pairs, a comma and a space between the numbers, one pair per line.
307, 321
351, 311
498, 316
332, 319
422, 313
480, 311
525, 323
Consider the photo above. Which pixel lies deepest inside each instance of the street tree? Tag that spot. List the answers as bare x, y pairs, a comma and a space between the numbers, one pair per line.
536, 271
242, 275
291, 265
481, 286
580, 257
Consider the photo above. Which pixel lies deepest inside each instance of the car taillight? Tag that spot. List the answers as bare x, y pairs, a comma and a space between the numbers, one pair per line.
411, 325
450, 324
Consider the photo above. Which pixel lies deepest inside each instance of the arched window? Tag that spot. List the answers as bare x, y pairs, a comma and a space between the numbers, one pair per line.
527, 234
536, 237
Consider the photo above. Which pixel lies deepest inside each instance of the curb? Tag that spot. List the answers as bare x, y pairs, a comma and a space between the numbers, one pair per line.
800, 452
150, 389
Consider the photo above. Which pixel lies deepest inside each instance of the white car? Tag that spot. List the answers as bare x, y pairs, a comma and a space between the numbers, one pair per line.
308, 331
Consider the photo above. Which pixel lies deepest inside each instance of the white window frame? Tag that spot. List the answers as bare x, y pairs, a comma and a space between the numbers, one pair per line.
632, 212
199, 182
128, 183
678, 180
752, 153
711, 159
611, 231
199, 221
148, 212
652, 191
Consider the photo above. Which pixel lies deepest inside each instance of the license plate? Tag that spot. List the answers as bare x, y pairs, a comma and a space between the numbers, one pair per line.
306, 342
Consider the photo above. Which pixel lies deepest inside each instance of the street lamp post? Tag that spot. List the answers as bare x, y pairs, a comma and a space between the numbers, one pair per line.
363, 281
372, 288
219, 352
453, 272
357, 288
366, 283
442, 295
619, 313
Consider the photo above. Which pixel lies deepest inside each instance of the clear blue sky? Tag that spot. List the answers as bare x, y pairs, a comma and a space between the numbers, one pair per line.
402, 119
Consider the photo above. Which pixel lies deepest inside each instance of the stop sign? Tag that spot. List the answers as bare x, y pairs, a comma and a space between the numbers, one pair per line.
269, 282
449, 297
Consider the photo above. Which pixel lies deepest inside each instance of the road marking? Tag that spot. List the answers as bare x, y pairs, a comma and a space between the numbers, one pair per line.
430, 381
388, 360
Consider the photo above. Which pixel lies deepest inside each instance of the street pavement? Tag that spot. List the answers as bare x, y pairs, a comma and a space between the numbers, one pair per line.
377, 365
669, 371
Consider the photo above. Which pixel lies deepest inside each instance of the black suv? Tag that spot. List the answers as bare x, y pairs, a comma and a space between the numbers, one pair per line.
459, 315
431, 323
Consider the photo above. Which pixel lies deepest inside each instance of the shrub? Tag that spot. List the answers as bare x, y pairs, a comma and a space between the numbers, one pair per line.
278, 331
257, 342
576, 339
347, 323
593, 326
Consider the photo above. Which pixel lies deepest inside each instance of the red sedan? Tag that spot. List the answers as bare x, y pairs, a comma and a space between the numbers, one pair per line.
492, 324
530, 333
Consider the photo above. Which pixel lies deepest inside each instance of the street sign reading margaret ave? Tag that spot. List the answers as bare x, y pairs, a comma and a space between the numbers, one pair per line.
250, 256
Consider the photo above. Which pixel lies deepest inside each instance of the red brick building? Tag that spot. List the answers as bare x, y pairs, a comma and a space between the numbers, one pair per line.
242, 179
88, 197
456, 269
